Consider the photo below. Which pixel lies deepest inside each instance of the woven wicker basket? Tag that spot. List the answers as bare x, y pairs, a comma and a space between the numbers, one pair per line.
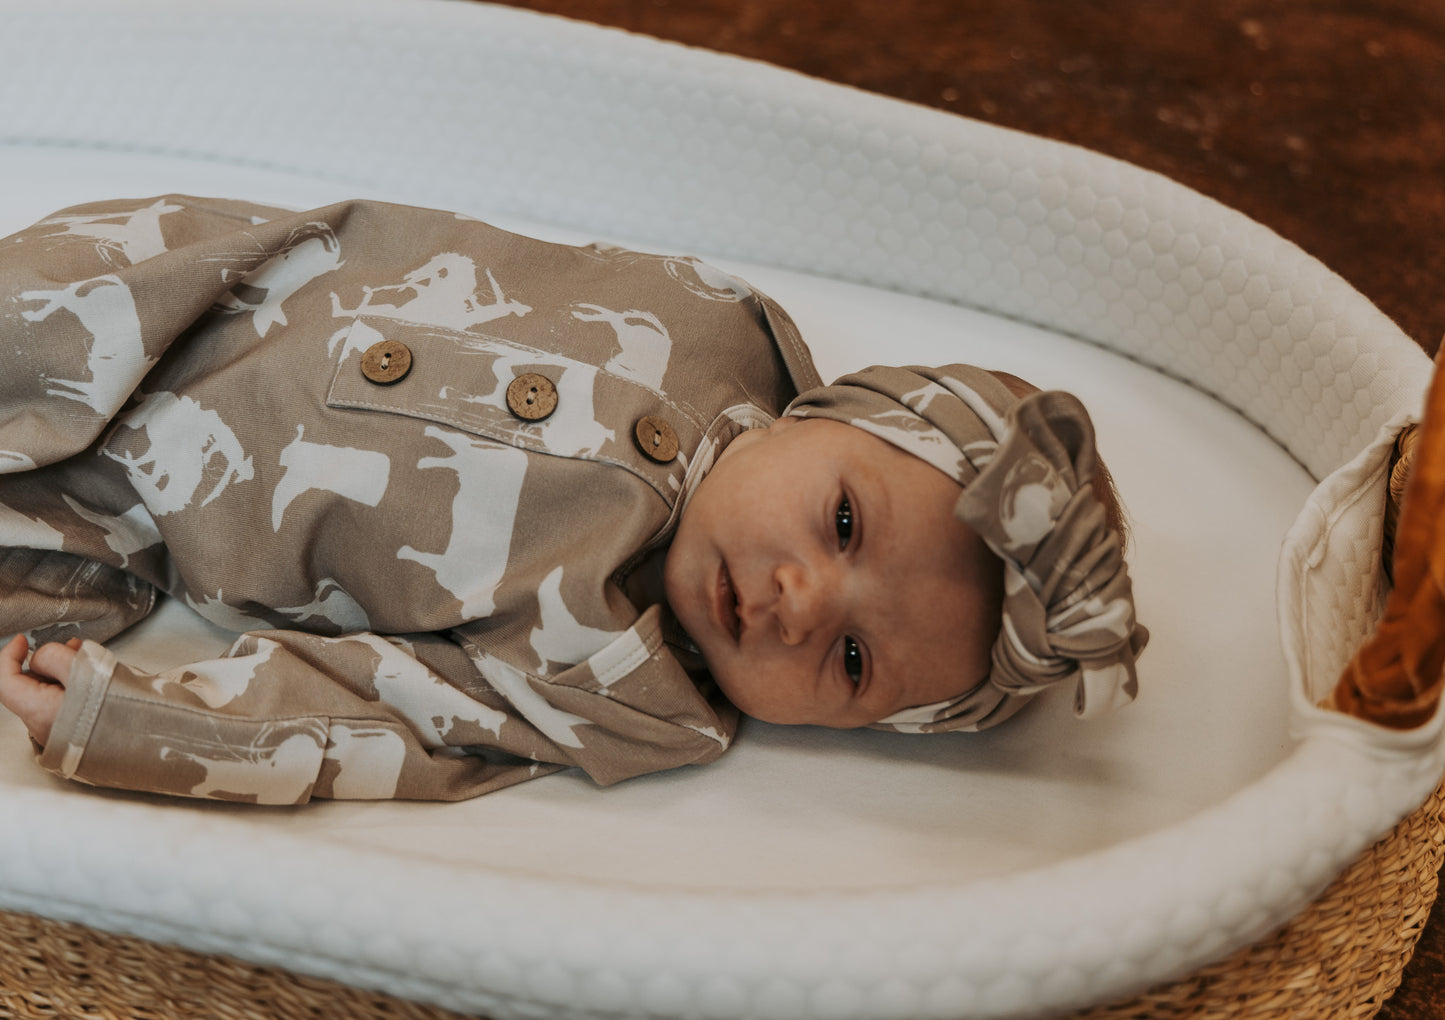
1341, 957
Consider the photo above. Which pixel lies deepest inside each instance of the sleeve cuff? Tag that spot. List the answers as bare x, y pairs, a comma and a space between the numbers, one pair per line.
84, 694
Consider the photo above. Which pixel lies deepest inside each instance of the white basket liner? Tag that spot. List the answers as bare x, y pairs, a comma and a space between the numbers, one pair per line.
619, 135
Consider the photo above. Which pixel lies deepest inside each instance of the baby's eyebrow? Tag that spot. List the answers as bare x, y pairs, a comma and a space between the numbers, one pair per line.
876, 513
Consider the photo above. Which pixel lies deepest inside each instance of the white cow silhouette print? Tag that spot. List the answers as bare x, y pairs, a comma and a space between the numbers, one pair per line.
279, 774
355, 474
117, 360
263, 291
189, 448
122, 238
224, 680
489, 488
429, 704
561, 638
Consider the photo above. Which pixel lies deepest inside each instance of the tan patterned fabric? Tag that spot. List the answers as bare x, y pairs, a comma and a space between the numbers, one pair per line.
440, 594
1026, 468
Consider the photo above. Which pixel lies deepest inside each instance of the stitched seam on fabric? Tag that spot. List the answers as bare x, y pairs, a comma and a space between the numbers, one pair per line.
530, 446
793, 337
96, 694
629, 664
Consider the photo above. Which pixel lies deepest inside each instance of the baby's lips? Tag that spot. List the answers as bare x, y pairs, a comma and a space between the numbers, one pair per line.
725, 604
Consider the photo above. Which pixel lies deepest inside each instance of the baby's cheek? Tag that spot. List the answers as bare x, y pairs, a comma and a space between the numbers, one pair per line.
772, 693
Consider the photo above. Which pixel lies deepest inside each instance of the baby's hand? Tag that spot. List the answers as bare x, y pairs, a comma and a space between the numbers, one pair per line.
35, 694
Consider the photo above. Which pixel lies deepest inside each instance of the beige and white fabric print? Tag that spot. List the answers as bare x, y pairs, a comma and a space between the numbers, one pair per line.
430, 580
1026, 468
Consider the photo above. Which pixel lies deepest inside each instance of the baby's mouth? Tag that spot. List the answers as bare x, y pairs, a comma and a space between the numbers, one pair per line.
727, 603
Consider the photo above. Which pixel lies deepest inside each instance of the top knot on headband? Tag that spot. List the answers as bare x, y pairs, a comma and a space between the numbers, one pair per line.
1027, 467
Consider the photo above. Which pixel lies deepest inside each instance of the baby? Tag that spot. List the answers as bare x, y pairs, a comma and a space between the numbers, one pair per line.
486, 507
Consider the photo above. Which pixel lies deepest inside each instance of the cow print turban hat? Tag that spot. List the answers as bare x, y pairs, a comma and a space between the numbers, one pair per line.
1026, 467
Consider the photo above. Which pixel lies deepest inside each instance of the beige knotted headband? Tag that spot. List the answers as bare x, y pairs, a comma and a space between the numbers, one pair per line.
1026, 468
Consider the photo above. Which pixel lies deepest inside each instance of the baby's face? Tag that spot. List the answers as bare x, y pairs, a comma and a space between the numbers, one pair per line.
822, 574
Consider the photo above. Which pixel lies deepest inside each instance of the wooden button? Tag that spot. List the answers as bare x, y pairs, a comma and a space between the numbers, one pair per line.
532, 396
386, 362
656, 438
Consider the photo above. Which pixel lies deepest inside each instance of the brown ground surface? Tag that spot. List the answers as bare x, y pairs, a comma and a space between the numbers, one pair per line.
1323, 119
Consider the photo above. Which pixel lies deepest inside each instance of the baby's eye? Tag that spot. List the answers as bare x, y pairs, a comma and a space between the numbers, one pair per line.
843, 521
853, 660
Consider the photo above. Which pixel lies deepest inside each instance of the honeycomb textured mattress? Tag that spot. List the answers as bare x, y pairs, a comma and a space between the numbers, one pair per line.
1245, 398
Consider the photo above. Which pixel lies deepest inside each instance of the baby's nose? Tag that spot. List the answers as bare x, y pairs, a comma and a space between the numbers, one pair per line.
804, 602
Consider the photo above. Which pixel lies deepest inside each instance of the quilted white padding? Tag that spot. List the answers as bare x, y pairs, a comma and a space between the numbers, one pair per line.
465, 106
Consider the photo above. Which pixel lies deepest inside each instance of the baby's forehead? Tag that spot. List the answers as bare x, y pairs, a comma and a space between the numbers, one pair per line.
893, 479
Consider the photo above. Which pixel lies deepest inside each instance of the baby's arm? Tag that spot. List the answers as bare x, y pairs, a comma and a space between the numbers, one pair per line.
288, 716
35, 693
284, 717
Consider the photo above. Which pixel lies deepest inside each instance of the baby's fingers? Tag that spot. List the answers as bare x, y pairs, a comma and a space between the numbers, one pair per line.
12, 656
34, 696
52, 661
